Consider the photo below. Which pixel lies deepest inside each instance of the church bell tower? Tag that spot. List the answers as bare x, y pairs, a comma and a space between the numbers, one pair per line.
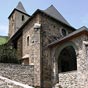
16, 19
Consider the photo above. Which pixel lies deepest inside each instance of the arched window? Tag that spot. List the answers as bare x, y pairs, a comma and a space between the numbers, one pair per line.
63, 32
23, 18
28, 41
67, 60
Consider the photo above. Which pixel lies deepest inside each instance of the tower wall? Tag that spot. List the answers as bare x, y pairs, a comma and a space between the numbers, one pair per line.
16, 20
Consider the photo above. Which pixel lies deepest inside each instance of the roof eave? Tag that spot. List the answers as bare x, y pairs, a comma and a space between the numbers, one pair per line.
18, 11
65, 39
57, 20
37, 11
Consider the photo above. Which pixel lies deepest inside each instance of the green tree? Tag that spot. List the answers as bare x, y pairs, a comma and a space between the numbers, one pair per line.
8, 54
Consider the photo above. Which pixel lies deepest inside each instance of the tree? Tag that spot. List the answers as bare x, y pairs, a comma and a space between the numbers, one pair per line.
8, 54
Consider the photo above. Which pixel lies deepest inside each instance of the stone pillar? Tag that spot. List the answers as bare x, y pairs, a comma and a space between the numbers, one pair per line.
37, 59
82, 66
54, 69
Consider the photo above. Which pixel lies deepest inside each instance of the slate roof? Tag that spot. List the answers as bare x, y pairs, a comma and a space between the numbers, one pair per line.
47, 12
20, 7
52, 11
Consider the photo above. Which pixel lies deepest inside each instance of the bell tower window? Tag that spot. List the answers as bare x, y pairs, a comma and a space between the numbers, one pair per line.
28, 41
23, 18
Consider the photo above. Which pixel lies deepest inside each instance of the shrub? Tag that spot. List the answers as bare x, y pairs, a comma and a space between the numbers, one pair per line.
8, 54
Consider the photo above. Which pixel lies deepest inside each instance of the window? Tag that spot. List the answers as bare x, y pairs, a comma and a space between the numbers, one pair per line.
67, 60
28, 41
64, 32
23, 18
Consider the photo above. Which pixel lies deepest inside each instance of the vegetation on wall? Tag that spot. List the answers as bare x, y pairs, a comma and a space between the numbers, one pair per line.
8, 54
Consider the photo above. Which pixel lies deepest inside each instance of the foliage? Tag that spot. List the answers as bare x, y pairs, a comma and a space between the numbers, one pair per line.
3, 39
8, 54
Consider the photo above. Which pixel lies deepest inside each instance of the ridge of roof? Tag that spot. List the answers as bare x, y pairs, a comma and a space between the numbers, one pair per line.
20, 7
52, 11
18, 11
83, 27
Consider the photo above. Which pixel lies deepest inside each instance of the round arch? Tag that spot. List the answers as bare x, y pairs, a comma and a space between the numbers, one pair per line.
60, 48
66, 57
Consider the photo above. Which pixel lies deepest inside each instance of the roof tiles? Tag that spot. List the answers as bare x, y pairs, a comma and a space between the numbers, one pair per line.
20, 7
52, 11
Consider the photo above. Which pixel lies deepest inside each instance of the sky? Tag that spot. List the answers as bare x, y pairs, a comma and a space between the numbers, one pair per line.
74, 11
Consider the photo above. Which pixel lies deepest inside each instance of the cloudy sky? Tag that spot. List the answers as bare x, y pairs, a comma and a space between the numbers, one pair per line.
74, 11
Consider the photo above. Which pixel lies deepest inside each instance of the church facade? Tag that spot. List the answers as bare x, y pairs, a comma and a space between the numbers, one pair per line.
57, 50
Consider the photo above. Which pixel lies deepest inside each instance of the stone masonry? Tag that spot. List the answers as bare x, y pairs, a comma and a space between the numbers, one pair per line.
7, 83
51, 31
78, 78
42, 46
33, 50
19, 73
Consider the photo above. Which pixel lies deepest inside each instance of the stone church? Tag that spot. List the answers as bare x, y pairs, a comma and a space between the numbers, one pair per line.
58, 51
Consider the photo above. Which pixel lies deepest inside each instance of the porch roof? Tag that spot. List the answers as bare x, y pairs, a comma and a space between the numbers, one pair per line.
80, 31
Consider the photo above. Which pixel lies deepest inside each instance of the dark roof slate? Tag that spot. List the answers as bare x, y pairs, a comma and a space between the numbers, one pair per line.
20, 7
52, 11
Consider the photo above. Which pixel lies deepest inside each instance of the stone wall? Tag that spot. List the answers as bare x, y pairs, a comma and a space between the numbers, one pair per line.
78, 78
11, 25
15, 22
82, 57
18, 19
33, 49
68, 79
7, 83
19, 73
51, 31
19, 47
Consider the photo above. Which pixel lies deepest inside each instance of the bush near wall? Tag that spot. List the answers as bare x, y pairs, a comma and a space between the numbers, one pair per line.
8, 54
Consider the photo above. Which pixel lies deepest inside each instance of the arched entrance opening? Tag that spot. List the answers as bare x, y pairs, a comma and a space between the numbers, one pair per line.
67, 60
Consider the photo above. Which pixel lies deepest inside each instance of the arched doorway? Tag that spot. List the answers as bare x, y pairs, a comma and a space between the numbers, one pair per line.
67, 59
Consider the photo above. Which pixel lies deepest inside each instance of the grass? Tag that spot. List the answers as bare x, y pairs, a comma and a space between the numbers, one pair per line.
3, 40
